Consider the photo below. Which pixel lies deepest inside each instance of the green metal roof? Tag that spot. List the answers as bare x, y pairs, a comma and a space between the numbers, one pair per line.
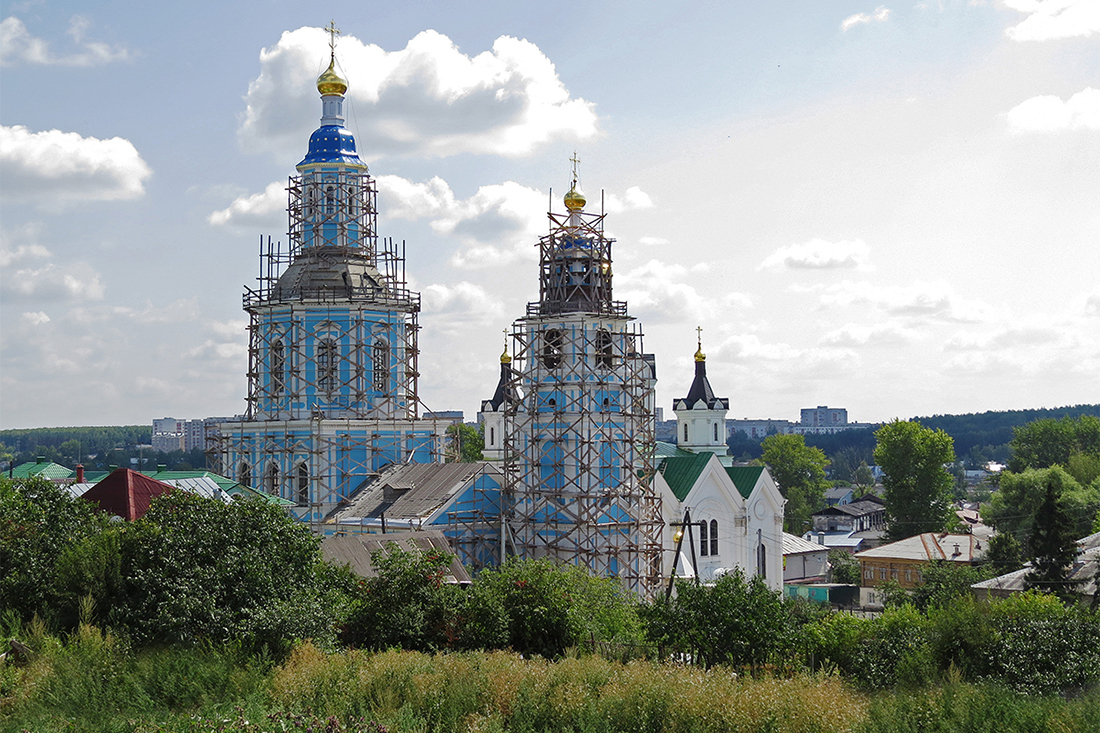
681, 472
745, 478
46, 469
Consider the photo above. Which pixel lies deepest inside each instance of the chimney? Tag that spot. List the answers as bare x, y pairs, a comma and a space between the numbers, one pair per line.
80, 473
40, 459
162, 467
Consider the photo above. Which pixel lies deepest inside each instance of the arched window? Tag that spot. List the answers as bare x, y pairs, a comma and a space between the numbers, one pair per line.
271, 480
604, 355
303, 483
326, 365
351, 201
762, 561
380, 365
278, 368
244, 476
703, 544
685, 432
715, 431
551, 348
714, 537
492, 435
330, 201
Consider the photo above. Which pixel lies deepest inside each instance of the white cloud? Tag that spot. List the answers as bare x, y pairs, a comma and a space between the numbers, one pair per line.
1048, 113
54, 166
658, 292
17, 46
1053, 19
818, 254
880, 14
51, 282
36, 318
497, 225
453, 310
266, 207
653, 241
1092, 304
426, 99
632, 198
880, 334
936, 300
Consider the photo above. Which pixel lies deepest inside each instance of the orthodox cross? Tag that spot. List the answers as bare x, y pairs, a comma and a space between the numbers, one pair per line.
575, 161
332, 31
699, 330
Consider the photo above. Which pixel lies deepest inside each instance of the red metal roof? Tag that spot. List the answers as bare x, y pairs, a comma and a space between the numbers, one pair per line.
126, 493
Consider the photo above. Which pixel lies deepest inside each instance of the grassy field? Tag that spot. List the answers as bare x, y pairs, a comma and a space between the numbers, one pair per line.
93, 682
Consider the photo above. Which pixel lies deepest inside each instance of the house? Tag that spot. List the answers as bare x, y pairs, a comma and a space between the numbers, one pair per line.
1085, 570
804, 562
904, 560
839, 495
868, 513
126, 493
461, 500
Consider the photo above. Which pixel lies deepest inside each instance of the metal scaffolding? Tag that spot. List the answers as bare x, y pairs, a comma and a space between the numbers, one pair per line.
332, 354
578, 434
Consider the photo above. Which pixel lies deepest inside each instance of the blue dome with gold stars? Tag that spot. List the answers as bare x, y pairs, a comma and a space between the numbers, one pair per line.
332, 144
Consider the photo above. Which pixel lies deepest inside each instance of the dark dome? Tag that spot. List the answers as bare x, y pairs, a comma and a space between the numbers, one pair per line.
331, 144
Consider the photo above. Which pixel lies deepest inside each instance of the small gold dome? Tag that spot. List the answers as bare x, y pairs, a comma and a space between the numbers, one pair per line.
574, 200
699, 355
330, 82
505, 358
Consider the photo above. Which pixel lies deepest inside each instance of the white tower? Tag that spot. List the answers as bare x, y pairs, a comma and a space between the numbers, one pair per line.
701, 417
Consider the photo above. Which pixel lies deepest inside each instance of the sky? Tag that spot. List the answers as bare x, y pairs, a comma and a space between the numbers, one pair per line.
889, 208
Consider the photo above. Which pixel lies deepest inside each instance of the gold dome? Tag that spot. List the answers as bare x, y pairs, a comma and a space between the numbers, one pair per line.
699, 355
574, 200
505, 358
330, 82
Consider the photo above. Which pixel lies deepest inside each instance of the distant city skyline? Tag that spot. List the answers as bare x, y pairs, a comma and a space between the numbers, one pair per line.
890, 209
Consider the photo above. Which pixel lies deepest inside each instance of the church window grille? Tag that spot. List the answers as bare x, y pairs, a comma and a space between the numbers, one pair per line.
278, 368
271, 480
303, 484
552, 349
245, 475
704, 546
604, 356
714, 537
330, 201
380, 364
326, 365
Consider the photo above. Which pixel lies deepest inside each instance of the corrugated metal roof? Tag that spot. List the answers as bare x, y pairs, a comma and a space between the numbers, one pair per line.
795, 545
46, 469
681, 472
126, 493
408, 491
745, 478
854, 509
355, 550
929, 546
670, 450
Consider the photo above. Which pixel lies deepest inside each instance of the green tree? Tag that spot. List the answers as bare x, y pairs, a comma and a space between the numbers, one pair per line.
467, 444
1005, 553
1053, 548
918, 489
735, 621
1045, 443
863, 477
799, 470
845, 567
196, 570
944, 581
1012, 509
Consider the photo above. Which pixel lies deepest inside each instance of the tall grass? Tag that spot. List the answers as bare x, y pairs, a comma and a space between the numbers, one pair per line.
503, 691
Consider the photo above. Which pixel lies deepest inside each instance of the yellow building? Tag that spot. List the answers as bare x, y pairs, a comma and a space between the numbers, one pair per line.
905, 559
